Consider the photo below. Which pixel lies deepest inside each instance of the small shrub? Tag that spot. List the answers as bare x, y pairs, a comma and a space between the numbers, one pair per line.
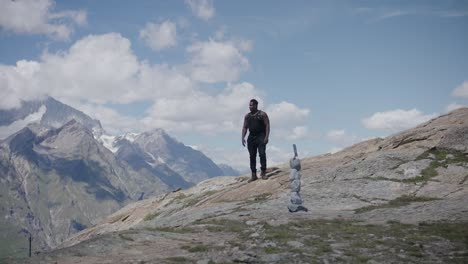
196, 248
398, 202
150, 217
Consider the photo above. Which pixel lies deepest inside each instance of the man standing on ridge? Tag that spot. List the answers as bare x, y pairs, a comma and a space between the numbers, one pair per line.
258, 124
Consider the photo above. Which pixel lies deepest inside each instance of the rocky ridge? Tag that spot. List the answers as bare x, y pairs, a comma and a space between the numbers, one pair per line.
392, 200
61, 173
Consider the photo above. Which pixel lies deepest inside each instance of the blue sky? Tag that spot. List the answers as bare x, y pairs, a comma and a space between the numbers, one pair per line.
328, 73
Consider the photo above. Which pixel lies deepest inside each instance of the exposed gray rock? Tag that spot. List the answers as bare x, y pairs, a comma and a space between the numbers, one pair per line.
295, 244
400, 183
191, 164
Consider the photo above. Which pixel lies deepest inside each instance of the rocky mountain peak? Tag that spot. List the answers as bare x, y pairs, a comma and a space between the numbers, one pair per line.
156, 136
411, 186
49, 113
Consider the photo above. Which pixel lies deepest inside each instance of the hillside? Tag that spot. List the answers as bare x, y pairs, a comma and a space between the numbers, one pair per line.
60, 172
399, 199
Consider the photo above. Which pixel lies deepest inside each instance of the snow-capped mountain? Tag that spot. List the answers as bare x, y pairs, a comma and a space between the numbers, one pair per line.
60, 172
49, 113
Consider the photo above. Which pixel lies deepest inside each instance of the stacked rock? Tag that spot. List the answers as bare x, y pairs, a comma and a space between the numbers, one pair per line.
295, 203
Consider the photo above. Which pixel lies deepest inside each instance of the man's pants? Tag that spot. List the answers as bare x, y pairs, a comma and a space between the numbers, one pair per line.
255, 143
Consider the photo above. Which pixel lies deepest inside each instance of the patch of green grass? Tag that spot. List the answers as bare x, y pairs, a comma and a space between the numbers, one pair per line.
196, 248
272, 250
179, 230
150, 216
426, 174
197, 199
357, 257
222, 225
442, 156
398, 202
321, 247
177, 260
361, 242
280, 233
451, 231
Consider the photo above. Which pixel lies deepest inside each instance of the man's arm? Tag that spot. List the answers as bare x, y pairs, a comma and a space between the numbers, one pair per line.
244, 130
266, 120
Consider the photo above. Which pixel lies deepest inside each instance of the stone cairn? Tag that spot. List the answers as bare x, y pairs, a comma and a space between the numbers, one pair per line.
295, 203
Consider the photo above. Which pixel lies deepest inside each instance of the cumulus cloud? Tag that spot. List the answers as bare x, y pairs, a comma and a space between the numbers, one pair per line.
97, 68
102, 69
201, 8
286, 113
159, 36
112, 121
453, 106
224, 112
36, 17
18, 83
298, 132
199, 111
461, 90
216, 61
341, 138
396, 120
237, 158
287, 121
334, 150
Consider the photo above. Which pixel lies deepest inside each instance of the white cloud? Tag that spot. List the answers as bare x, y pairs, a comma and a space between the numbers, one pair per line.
215, 61
19, 82
287, 121
277, 156
299, 132
201, 8
454, 106
224, 112
237, 158
97, 68
287, 114
159, 36
341, 138
112, 121
396, 120
102, 69
334, 150
392, 13
198, 111
35, 17
461, 90
79, 17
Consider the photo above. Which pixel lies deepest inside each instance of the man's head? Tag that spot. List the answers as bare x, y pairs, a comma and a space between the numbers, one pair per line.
253, 106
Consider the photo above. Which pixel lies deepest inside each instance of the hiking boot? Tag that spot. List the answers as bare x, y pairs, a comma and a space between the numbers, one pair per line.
253, 178
263, 175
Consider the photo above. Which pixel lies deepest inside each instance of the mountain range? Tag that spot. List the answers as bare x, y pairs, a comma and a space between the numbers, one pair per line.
399, 199
61, 172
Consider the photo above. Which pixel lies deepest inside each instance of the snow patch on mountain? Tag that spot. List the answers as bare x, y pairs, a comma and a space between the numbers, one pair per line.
131, 136
16, 126
108, 142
